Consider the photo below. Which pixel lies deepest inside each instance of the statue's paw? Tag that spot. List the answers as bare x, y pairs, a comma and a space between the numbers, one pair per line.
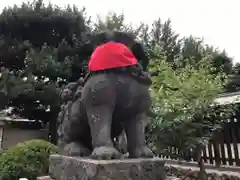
75, 149
141, 152
106, 153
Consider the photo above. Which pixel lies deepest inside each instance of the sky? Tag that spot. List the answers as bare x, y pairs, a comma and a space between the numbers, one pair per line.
217, 21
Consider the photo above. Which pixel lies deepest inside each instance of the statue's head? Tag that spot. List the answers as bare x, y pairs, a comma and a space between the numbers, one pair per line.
121, 37
67, 92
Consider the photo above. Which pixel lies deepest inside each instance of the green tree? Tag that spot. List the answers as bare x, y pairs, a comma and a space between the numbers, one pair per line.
193, 50
112, 21
115, 22
163, 34
185, 114
160, 34
39, 52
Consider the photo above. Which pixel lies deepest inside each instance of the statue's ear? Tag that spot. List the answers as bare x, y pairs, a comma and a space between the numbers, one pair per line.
86, 45
101, 38
141, 55
109, 35
87, 48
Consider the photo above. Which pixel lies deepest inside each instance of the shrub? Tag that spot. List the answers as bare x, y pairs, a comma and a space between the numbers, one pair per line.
29, 159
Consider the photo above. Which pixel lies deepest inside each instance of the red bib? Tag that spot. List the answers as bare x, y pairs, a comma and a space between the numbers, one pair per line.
111, 55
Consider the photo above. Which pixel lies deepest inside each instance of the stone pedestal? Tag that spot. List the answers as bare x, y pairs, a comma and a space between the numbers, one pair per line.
74, 168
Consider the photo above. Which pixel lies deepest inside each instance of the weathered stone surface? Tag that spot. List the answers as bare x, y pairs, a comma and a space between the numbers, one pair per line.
76, 168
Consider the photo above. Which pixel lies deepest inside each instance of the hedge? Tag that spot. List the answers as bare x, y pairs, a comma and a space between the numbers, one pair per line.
29, 159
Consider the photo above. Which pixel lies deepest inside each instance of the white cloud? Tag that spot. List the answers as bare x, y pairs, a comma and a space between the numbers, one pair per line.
215, 21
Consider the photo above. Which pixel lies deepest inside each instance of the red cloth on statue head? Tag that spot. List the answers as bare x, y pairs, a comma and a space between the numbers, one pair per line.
111, 55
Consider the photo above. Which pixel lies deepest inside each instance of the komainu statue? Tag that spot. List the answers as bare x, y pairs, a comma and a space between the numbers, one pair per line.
112, 99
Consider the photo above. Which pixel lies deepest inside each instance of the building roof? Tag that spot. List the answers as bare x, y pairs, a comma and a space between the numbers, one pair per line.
228, 98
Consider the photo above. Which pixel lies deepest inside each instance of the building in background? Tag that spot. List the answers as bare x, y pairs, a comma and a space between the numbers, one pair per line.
14, 130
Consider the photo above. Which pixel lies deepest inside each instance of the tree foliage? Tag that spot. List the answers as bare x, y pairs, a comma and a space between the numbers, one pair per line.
38, 42
26, 160
40, 50
185, 114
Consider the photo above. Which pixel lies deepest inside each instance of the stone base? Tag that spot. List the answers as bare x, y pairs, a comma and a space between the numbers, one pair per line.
65, 168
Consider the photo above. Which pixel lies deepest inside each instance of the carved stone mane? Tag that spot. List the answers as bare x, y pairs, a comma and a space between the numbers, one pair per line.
68, 94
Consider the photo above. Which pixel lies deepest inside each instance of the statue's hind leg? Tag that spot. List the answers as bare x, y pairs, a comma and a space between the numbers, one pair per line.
100, 121
135, 128
75, 148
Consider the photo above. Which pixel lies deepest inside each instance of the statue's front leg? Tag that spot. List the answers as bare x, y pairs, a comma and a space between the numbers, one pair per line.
72, 131
100, 121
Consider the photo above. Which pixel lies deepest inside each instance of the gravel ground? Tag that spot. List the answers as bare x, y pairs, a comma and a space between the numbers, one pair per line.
207, 170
